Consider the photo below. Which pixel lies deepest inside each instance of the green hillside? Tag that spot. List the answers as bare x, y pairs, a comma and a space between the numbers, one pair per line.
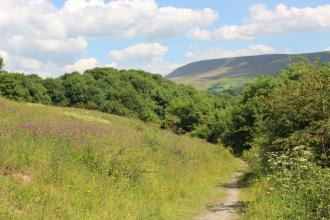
228, 73
63, 163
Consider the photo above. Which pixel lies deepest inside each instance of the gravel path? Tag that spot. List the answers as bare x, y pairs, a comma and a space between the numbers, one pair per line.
228, 209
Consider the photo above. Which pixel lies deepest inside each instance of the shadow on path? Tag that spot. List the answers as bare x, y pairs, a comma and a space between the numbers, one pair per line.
230, 207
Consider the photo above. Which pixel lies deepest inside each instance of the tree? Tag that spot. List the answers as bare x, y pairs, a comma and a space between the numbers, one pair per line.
297, 113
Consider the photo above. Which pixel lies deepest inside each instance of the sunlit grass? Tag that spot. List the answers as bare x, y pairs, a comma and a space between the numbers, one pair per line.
62, 163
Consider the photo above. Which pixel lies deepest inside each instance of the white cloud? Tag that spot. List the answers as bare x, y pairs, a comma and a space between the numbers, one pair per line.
35, 38
219, 52
280, 20
139, 52
161, 66
200, 34
112, 65
45, 49
51, 37
131, 18
26, 64
29, 63
5, 56
328, 49
149, 57
85, 64
62, 45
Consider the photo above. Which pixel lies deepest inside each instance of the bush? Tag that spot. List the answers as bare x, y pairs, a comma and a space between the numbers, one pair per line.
293, 188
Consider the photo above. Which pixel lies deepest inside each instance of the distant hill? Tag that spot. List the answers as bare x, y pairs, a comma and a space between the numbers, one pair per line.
222, 74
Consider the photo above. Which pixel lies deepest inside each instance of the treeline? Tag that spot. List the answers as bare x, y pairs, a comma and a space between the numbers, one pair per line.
130, 93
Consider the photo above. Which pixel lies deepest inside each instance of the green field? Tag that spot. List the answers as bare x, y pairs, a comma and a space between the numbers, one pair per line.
64, 163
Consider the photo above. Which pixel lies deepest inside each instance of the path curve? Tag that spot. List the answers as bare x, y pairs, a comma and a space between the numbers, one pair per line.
228, 209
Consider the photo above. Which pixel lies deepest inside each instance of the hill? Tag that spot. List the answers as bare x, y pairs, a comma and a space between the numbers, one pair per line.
222, 74
64, 163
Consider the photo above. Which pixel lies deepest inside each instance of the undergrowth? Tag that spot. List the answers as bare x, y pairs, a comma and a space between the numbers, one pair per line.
294, 187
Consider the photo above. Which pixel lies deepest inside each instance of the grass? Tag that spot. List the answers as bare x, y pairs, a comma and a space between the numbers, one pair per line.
214, 80
268, 199
62, 163
300, 191
226, 83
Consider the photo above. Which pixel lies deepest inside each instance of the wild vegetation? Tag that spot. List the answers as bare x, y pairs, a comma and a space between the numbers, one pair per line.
63, 163
290, 142
129, 93
279, 124
135, 94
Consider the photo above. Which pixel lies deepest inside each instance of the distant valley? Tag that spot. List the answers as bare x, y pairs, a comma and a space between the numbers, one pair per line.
227, 73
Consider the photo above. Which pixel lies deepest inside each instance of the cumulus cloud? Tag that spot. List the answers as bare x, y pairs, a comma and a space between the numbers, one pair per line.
131, 18
149, 57
161, 66
34, 37
139, 52
199, 34
85, 64
27, 64
112, 65
82, 65
282, 19
52, 37
45, 49
219, 52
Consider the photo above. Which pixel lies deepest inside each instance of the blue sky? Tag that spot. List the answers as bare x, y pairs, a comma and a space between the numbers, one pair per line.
58, 36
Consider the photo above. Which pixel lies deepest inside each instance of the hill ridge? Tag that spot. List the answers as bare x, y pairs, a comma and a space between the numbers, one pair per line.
205, 73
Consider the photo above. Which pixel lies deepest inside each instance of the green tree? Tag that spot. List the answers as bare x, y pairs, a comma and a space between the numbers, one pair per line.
298, 112
55, 91
12, 87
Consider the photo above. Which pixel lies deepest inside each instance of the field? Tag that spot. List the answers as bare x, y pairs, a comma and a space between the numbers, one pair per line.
63, 163
218, 85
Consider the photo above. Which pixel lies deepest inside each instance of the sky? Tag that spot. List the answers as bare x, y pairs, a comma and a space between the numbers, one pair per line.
51, 37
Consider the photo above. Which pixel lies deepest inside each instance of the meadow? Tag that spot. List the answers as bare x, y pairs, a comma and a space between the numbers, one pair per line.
64, 163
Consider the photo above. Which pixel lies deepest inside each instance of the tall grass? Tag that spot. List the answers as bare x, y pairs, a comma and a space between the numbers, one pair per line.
62, 163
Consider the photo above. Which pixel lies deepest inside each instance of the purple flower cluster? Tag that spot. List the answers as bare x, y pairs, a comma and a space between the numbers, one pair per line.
74, 130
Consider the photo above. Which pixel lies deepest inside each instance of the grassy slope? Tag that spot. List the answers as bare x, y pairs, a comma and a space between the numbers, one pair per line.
62, 163
217, 85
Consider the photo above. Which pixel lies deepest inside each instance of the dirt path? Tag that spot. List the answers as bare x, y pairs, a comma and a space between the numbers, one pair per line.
228, 209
